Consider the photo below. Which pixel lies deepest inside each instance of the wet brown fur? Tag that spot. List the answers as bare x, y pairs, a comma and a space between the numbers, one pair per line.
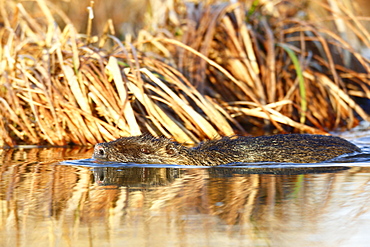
292, 148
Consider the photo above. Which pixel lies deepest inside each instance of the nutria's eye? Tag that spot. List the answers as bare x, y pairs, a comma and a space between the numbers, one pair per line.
145, 150
170, 149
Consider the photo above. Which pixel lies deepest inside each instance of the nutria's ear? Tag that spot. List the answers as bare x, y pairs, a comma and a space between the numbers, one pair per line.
171, 149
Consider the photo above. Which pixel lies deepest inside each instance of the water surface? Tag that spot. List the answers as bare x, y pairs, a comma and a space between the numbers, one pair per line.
61, 197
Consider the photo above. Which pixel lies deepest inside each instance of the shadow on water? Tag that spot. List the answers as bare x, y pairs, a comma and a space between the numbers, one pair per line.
61, 197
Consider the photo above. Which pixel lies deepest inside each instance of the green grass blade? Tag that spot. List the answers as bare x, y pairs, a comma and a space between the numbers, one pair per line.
302, 88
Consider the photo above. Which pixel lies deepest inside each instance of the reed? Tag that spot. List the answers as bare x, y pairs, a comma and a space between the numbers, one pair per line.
227, 69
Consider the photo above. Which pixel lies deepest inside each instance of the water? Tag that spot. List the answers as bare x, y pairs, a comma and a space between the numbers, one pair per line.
61, 197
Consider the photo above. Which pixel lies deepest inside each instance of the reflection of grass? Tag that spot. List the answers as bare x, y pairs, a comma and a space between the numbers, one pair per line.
299, 185
75, 204
219, 76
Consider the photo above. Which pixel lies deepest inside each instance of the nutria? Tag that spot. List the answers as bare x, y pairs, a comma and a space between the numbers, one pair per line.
293, 148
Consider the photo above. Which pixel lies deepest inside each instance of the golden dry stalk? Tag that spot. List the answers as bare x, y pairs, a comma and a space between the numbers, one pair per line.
228, 71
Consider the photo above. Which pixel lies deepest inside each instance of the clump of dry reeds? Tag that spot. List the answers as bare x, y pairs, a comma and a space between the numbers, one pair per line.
284, 70
222, 75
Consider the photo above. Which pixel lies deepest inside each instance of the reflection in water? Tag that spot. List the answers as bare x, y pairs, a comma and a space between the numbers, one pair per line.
44, 203
135, 176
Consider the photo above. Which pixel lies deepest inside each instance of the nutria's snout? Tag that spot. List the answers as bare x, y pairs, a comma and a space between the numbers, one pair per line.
99, 152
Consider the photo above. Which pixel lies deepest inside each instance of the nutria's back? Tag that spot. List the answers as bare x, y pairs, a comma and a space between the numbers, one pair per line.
293, 148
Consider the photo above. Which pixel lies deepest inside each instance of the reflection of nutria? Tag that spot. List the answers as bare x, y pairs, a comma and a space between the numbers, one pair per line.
296, 148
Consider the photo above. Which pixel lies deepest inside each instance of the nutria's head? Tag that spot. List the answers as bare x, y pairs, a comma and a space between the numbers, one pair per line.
143, 149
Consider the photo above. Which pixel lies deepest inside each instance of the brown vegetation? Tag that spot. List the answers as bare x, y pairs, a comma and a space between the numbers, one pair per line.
226, 69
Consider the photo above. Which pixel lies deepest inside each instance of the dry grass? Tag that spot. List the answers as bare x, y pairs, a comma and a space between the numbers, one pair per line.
220, 75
